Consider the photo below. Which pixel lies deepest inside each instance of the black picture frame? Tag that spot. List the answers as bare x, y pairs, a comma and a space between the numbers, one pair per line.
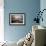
17, 19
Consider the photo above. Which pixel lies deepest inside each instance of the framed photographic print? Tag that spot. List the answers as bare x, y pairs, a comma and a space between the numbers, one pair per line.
16, 18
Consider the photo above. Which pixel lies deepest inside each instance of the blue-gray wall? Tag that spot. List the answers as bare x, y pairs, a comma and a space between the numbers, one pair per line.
29, 7
43, 6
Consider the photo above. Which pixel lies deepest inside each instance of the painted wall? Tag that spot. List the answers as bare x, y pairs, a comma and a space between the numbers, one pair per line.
29, 7
43, 6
